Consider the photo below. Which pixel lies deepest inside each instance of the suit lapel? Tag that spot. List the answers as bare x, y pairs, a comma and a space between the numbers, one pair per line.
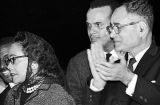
141, 69
146, 60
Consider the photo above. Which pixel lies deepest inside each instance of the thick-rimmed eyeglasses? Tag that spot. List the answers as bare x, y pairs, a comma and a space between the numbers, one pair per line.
117, 28
13, 59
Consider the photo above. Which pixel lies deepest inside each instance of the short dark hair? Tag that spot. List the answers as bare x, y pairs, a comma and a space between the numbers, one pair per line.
101, 3
142, 8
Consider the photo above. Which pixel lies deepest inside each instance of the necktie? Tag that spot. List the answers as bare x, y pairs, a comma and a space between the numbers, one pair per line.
131, 62
108, 56
126, 56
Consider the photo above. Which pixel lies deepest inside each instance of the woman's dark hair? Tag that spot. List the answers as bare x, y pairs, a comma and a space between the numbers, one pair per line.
40, 51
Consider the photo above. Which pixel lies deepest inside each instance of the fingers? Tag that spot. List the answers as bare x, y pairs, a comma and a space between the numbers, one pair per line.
104, 72
91, 64
90, 59
104, 77
103, 64
93, 52
97, 51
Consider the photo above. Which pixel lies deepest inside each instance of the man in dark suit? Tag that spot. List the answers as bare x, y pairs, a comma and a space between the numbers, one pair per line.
98, 18
126, 84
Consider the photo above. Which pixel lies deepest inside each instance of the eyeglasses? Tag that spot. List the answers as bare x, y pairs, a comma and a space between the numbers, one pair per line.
117, 28
13, 59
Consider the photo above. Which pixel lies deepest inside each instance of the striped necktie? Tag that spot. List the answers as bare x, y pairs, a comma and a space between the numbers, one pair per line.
131, 62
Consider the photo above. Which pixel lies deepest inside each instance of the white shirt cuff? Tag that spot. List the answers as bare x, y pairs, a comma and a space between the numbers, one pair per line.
93, 87
131, 86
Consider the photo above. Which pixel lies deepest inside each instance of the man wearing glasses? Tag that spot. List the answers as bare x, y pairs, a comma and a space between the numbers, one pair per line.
128, 82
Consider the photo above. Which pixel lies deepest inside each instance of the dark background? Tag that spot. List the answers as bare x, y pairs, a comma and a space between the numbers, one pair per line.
61, 22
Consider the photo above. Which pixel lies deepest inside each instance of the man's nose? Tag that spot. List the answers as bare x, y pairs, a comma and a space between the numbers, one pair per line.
112, 34
10, 66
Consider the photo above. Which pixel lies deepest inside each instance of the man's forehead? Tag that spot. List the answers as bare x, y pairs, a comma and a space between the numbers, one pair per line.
120, 14
98, 13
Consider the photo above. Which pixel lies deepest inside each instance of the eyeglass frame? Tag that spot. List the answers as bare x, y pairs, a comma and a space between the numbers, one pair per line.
13, 59
118, 28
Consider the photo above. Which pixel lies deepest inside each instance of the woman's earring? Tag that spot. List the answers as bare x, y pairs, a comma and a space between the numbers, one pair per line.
34, 66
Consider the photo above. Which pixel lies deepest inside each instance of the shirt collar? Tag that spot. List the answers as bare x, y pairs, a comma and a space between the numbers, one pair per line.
12, 84
140, 54
114, 54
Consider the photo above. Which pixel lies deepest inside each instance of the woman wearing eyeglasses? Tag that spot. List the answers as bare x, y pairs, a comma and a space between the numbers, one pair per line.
34, 66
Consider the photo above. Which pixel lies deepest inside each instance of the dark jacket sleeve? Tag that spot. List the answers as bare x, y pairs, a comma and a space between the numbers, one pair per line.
74, 86
92, 98
146, 92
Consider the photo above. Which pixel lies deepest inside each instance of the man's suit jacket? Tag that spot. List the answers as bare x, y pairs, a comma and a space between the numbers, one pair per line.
147, 90
77, 73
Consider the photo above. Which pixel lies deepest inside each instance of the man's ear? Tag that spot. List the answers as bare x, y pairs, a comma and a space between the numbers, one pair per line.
34, 67
143, 29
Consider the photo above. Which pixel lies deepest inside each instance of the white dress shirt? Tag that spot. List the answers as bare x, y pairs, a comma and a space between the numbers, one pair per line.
131, 86
113, 57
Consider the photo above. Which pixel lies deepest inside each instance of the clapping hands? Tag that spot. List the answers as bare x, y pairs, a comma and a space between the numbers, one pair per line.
104, 71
